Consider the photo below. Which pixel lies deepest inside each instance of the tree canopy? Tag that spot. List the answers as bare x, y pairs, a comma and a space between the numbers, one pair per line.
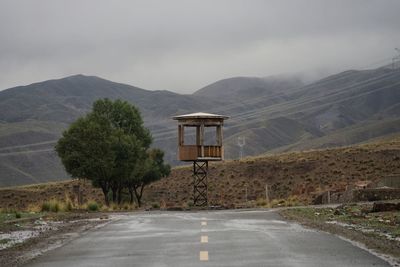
110, 147
151, 169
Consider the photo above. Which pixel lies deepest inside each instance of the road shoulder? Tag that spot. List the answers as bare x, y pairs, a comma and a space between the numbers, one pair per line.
46, 234
376, 233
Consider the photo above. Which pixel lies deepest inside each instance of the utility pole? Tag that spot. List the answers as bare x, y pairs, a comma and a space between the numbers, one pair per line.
241, 142
266, 193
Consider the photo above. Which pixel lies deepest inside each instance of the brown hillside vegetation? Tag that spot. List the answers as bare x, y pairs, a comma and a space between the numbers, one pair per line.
30, 197
300, 174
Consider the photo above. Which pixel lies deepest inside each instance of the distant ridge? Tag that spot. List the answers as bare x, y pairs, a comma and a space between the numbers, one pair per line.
274, 114
238, 88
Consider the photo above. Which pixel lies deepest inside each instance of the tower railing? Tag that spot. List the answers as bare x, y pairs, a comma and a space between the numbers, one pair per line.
194, 152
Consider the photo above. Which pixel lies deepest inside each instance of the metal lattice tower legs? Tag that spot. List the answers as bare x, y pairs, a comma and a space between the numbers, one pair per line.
200, 183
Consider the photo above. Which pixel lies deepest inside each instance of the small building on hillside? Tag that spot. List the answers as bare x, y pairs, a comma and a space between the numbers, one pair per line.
387, 188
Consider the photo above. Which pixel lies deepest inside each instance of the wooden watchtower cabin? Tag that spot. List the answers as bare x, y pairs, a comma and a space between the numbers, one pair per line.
200, 151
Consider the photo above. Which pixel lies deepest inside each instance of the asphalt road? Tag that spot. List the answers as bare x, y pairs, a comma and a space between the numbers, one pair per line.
215, 238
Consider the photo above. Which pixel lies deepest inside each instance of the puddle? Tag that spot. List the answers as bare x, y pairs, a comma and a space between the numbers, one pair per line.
10, 239
16, 237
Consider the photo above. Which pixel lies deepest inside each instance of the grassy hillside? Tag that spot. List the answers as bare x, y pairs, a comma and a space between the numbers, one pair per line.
274, 114
31, 197
301, 175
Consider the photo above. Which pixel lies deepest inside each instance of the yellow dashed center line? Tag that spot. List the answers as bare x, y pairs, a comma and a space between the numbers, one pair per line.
203, 239
204, 255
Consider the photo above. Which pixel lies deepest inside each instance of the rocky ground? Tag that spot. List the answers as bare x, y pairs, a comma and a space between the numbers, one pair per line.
370, 225
22, 239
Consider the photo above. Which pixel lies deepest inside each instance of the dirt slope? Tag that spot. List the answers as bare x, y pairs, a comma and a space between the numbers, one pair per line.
300, 174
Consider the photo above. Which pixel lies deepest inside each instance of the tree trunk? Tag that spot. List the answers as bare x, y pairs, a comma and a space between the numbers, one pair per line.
136, 187
130, 195
139, 194
119, 195
114, 194
105, 192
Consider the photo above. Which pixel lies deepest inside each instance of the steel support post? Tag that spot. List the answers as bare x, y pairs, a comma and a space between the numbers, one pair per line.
200, 183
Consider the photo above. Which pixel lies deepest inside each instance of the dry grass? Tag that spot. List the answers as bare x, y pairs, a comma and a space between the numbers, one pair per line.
293, 178
32, 197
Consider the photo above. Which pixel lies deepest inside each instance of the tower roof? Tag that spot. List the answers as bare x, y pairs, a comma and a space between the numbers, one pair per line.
200, 115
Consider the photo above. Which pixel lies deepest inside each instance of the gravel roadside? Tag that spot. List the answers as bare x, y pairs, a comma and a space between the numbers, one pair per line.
26, 239
381, 239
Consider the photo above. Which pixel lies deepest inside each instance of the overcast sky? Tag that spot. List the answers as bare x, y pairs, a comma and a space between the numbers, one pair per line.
184, 45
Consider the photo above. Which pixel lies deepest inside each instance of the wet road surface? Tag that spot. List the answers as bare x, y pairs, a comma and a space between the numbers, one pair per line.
209, 238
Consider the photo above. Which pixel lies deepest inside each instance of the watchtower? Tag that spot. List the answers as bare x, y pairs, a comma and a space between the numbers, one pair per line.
202, 149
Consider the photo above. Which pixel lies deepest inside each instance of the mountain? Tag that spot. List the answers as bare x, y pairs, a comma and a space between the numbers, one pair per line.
245, 88
63, 100
274, 114
329, 112
33, 117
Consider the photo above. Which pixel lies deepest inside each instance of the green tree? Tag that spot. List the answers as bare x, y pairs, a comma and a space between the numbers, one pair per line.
105, 146
151, 169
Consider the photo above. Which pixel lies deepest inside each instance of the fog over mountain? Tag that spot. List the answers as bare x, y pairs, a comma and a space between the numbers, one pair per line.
181, 45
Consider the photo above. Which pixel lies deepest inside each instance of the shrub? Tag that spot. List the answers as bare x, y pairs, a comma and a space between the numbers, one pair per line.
293, 201
34, 207
128, 206
275, 203
261, 202
92, 206
45, 206
17, 215
190, 204
155, 206
114, 206
8, 210
52, 205
68, 206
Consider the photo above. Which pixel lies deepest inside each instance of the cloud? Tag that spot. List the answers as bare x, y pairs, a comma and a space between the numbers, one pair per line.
182, 45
